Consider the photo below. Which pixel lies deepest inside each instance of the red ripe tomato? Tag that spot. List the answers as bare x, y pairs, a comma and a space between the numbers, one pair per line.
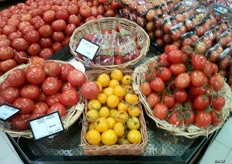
20, 57
35, 75
145, 88
33, 49
169, 100
56, 46
175, 56
215, 68
8, 29
85, 11
49, 16
72, 9
20, 122
203, 120
157, 84
51, 85
7, 65
58, 107
36, 61
153, 99
40, 107
176, 119
198, 62
118, 60
76, 77
164, 73
73, 19
25, 105
41, 98
45, 42
10, 94
45, 53
189, 117
69, 29
20, 44
62, 14
52, 99
218, 102
6, 53
197, 90
30, 91
216, 81
216, 117
182, 80
90, 90
32, 36
169, 48
69, 98
36, 115
197, 78
180, 95
208, 69
65, 68
160, 111
67, 86
163, 60
177, 68
59, 25
15, 35
16, 77
57, 36
201, 102
45, 31
52, 68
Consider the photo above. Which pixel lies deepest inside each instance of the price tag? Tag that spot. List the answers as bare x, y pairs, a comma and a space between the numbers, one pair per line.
46, 125
7, 111
87, 48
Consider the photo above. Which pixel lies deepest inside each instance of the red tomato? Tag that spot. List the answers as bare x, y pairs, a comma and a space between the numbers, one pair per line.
176, 119
160, 111
62, 14
7, 29
85, 11
69, 29
115, 5
197, 78
175, 56
51, 85
45, 31
10, 94
16, 77
218, 102
164, 73
6, 53
40, 107
41, 98
217, 117
20, 44
32, 36
35, 75
189, 117
198, 62
7, 65
56, 46
157, 84
45, 42
118, 60
45, 53
74, 19
57, 36
203, 120
59, 25
25, 105
30, 91
36, 115
15, 35
163, 60
58, 107
52, 68
201, 102
180, 95
65, 68
35, 60
197, 90
76, 77
66, 86
90, 90
169, 100
208, 69
33, 49
69, 98
72, 9
182, 80
216, 81
49, 16
214, 68
177, 68
145, 88
52, 99
20, 122
169, 48
153, 99
109, 13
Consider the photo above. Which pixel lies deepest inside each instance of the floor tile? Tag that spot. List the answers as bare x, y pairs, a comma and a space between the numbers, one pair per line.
11, 159
229, 157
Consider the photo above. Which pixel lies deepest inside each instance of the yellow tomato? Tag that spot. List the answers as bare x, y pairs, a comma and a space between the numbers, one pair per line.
92, 115
121, 116
123, 140
100, 87
134, 111
134, 136
119, 129
102, 97
109, 137
112, 101
127, 80
103, 79
122, 106
91, 125
93, 137
113, 112
101, 124
104, 112
111, 122
131, 98
119, 91
116, 74
133, 123
113, 83
94, 104
108, 91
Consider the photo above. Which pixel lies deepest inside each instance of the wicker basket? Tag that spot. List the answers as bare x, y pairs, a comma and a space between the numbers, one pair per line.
190, 131
95, 27
73, 113
123, 149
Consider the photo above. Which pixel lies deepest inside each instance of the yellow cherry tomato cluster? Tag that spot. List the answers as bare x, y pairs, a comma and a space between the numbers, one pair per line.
114, 115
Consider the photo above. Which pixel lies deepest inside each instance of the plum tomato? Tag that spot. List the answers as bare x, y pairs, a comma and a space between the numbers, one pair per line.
16, 77
20, 122
65, 68
51, 85
160, 111
40, 107
201, 102
30, 91
176, 118
182, 80
52, 99
203, 119
69, 98
218, 102
35, 75
45, 53
76, 77
197, 78
58, 107
25, 105
90, 90
10, 94
85, 11
157, 84
52, 68
57, 36
62, 14
49, 16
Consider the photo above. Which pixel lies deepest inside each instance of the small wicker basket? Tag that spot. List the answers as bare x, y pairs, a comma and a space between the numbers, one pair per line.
96, 26
73, 113
123, 149
191, 131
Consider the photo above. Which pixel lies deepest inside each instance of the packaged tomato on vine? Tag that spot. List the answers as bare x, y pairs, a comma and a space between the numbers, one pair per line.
224, 61
177, 31
168, 23
214, 52
225, 37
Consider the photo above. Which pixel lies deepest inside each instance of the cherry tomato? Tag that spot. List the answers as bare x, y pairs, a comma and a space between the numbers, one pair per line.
10, 94
40, 107
196, 90
198, 62
69, 98
163, 60
177, 68
216, 117
52, 68
189, 117
58, 107
160, 111
176, 119
76, 77
153, 99
175, 56
157, 84
118, 60
180, 95
169, 48
197, 78
218, 102
164, 73
90, 90
30, 91
25, 105
52, 99
35, 75
16, 77
145, 88
20, 122
203, 120
201, 102
216, 81
169, 100
51, 85
208, 69
182, 80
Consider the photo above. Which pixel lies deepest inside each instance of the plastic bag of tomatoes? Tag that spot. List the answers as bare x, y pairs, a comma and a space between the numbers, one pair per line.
183, 93
40, 88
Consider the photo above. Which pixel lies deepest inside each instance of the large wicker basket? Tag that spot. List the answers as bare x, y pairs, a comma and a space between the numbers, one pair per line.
73, 113
190, 131
123, 149
96, 26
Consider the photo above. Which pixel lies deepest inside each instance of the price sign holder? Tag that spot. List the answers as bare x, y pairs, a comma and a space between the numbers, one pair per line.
87, 48
7, 111
46, 126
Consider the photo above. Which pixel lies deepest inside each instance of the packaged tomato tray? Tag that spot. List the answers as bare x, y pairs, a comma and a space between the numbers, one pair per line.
188, 38
225, 37
191, 21
214, 52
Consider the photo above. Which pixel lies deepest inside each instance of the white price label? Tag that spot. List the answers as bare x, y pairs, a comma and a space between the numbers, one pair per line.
46, 126
87, 48
7, 111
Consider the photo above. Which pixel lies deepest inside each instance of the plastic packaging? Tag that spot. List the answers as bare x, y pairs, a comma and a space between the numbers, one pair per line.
225, 37
189, 38
213, 54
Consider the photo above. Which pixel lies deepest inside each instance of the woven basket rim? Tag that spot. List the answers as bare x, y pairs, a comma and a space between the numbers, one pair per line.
73, 113
105, 20
163, 124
